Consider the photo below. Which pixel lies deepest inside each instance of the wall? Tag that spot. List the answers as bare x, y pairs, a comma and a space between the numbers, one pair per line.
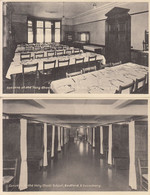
19, 24
11, 138
141, 144
139, 23
96, 29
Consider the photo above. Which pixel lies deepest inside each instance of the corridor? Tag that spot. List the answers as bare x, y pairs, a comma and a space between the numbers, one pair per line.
78, 168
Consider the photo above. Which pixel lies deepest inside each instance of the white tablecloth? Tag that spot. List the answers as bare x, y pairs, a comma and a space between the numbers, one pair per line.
105, 81
16, 65
91, 47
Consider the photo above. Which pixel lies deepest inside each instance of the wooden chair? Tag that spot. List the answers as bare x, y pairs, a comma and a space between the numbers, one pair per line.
92, 58
63, 62
89, 69
9, 172
59, 47
39, 55
37, 48
50, 53
143, 173
48, 63
49, 72
140, 84
25, 56
79, 60
73, 74
126, 89
30, 76
59, 52
46, 48
29, 48
76, 51
68, 52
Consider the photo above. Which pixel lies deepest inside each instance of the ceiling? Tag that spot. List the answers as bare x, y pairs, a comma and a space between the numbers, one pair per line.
77, 112
54, 9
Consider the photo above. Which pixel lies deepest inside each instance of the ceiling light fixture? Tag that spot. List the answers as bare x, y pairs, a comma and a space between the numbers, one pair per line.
94, 6
63, 11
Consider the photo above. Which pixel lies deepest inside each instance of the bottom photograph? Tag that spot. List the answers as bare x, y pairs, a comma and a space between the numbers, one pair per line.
75, 145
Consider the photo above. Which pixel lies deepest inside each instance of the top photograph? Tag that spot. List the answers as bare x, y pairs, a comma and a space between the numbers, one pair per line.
75, 47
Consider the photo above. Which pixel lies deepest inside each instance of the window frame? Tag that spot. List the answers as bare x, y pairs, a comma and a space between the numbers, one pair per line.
34, 26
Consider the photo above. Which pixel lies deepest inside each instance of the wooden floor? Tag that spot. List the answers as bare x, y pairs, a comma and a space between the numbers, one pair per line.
78, 168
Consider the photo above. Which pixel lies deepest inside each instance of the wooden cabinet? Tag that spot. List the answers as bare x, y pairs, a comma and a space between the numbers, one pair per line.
69, 37
118, 35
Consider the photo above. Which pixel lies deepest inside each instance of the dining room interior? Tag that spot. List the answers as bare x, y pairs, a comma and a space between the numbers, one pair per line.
75, 47
58, 145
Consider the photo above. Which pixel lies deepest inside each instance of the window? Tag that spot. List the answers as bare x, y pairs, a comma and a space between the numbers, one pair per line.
43, 31
84, 37
48, 32
30, 31
57, 31
39, 32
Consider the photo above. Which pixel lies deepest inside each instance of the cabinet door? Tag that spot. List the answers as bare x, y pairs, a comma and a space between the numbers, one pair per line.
123, 40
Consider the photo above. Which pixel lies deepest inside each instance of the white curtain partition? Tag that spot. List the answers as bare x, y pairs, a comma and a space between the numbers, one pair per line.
45, 162
110, 146
132, 170
101, 140
65, 136
53, 141
93, 137
90, 136
59, 138
87, 134
23, 180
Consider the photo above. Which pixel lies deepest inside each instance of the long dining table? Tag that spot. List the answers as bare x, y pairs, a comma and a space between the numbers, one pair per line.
16, 65
104, 81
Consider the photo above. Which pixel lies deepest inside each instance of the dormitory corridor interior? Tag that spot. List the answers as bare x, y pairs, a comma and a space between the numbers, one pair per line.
76, 38
75, 145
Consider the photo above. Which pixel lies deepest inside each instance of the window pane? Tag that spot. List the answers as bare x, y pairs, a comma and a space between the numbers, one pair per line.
29, 23
47, 35
57, 35
30, 35
57, 24
40, 35
83, 37
39, 23
47, 24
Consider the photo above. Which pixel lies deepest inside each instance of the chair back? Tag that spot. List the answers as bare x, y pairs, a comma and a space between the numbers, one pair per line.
47, 65
31, 69
79, 60
59, 47
76, 51
89, 69
9, 171
126, 89
39, 55
51, 53
25, 56
92, 58
63, 62
68, 52
29, 48
140, 83
46, 48
59, 52
73, 74
37, 48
